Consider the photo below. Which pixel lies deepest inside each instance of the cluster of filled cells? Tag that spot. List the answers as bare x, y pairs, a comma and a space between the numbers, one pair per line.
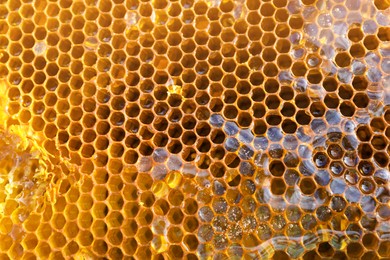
202, 129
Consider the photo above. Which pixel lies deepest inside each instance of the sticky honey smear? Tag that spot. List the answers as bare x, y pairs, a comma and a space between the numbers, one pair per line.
29, 183
23, 174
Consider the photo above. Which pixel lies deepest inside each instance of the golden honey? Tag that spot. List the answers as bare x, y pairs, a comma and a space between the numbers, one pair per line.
211, 129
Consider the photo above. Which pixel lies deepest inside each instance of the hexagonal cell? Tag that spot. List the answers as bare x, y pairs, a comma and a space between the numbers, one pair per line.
325, 249
278, 186
384, 248
115, 219
307, 186
377, 125
338, 203
115, 237
191, 242
321, 160
145, 216
147, 199
190, 224
30, 242
381, 159
353, 213
363, 133
355, 250
43, 249
278, 223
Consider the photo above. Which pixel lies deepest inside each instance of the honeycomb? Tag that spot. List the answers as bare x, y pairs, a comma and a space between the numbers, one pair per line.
183, 129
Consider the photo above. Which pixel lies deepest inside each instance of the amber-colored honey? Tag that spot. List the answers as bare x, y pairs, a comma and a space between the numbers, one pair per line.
213, 129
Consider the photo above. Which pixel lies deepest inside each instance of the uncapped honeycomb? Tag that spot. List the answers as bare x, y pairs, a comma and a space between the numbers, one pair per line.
183, 129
